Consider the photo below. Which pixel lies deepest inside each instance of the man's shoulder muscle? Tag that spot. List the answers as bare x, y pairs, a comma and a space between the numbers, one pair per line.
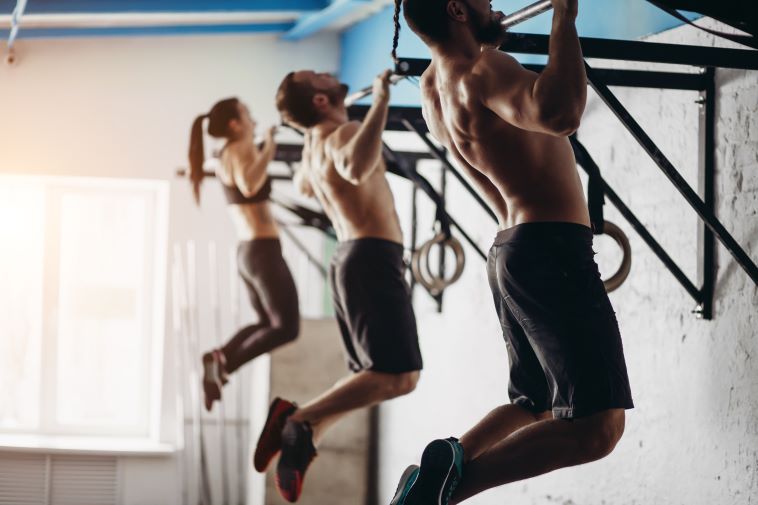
342, 135
494, 66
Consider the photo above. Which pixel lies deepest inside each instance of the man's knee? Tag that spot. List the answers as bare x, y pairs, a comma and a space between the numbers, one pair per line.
603, 431
402, 383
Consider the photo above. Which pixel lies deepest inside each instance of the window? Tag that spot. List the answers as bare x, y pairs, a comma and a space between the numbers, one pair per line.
82, 270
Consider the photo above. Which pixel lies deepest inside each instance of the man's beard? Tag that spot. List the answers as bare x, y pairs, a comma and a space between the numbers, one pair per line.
489, 32
337, 94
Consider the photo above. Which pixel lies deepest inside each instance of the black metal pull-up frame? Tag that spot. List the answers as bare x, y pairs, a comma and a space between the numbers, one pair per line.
600, 80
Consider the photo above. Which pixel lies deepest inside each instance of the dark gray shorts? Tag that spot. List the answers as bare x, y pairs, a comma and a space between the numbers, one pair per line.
372, 302
563, 340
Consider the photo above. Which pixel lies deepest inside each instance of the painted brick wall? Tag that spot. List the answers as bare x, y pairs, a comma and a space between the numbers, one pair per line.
693, 437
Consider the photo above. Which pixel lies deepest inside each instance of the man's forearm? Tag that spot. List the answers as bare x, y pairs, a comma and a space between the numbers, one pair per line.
562, 86
364, 151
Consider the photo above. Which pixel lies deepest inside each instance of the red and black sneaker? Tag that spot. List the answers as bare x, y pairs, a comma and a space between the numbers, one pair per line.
270, 441
297, 453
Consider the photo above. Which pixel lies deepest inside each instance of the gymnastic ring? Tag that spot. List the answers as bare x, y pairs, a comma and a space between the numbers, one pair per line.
617, 279
423, 275
421, 269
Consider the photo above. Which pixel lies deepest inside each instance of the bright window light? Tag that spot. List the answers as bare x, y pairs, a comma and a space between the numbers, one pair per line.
82, 305
22, 211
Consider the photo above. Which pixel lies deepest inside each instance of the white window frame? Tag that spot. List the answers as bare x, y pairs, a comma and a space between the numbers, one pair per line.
157, 192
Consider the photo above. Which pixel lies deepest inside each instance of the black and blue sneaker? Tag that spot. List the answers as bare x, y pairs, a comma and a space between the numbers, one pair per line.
439, 474
406, 481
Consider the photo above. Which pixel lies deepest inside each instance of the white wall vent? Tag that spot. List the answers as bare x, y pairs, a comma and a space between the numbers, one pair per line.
58, 480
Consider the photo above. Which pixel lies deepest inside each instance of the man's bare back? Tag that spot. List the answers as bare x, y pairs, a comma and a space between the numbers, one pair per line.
508, 129
526, 175
359, 210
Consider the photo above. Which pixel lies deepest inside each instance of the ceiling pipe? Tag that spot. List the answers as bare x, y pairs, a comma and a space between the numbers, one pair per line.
338, 14
15, 19
145, 19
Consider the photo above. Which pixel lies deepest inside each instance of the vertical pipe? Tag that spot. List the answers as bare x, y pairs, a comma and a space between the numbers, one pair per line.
372, 484
234, 299
414, 229
215, 296
706, 180
441, 265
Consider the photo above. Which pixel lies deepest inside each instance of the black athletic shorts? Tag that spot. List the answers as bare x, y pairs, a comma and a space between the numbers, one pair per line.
372, 302
563, 340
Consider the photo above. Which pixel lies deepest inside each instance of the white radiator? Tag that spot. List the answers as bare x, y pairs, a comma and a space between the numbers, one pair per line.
27, 479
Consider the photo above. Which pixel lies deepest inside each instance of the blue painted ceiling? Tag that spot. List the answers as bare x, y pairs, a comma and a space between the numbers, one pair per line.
300, 8
365, 44
113, 6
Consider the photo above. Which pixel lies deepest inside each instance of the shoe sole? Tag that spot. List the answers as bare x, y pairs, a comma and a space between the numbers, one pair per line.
291, 494
437, 463
259, 462
404, 483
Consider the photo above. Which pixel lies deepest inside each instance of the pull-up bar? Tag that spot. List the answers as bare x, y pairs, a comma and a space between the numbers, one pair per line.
508, 21
368, 90
527, 13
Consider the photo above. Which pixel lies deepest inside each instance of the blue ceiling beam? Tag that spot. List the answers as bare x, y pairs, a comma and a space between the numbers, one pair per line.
150, 31
311, 24
115, 6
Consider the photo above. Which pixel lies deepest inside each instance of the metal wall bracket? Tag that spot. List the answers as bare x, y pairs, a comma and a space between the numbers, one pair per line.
710, 228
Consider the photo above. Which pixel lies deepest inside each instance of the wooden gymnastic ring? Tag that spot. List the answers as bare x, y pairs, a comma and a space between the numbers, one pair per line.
617, 279
421, 269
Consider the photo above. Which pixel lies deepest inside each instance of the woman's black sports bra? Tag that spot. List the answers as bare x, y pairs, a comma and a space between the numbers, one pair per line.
235, 196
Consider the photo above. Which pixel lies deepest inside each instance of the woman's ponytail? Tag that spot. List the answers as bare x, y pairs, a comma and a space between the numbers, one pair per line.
197, 156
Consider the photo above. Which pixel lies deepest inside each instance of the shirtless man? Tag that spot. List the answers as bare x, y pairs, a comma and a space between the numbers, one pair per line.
507, 128
343, 167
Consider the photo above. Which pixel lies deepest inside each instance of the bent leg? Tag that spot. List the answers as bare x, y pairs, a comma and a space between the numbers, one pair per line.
363, 389
540, 448
273, 295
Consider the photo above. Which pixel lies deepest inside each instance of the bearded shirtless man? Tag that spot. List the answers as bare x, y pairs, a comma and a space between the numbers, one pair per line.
507, 128
343, 167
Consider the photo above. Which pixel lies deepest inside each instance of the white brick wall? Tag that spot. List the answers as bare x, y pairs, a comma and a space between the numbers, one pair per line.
693, 438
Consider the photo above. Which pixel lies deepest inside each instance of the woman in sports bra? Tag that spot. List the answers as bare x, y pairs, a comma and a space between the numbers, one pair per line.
269, 283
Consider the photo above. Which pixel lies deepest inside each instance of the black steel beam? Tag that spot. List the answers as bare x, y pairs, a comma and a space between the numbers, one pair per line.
645, 78
395, 117
440, 155
673, 175
439, 297
585, 161
612, 77
467, 237
706, 182
653, 52
419, 181
414, 229
293, 153
288, 153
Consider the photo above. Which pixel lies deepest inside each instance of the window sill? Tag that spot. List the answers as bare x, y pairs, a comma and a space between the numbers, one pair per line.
101, 446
